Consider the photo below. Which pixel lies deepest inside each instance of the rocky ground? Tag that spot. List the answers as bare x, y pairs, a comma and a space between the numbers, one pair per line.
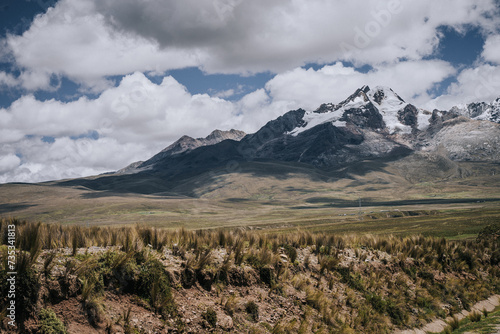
283, 306
218, 281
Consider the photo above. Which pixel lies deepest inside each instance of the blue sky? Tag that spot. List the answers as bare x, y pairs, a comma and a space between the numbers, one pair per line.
89, 86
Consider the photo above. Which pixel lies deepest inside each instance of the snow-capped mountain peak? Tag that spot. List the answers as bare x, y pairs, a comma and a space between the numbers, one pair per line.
480, 110
382, 95
379, 108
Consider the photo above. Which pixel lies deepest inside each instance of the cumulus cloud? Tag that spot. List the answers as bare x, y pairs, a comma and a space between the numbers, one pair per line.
480, 83
87, 40
277, 35
8, 163
126, 123
8, 80
73, 40
491, 51
66, 158
309, 88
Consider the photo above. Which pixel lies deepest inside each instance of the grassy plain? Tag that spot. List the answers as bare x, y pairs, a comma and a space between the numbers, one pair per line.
382, 201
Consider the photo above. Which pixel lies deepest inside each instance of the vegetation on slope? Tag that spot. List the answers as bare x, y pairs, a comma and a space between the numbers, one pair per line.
241, 280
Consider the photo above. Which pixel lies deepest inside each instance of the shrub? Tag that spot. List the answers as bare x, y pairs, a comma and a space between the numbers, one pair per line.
211, 317
291, 252
267, 275
239, 255
153, 284
426, 275
230, 305
253, 310
353, 280
454, 323
50, 323
396, 313
48, 264
27, 286
475, 317
328, 263
377, 302
94, 311
447, 330
490, 232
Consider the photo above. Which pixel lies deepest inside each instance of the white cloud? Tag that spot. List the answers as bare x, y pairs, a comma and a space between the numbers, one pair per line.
310, 88
480, 83
134, 121
73, 40
8, 80
491, 50
8, 163
87, 40
282, 34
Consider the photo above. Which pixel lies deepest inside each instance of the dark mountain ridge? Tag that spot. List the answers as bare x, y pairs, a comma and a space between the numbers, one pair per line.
371, 124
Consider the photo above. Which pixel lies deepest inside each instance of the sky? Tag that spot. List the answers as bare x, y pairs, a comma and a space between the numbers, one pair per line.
90, 86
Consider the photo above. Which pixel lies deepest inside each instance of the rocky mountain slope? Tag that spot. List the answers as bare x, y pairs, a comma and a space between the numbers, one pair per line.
370, 125
480, 110
185, 144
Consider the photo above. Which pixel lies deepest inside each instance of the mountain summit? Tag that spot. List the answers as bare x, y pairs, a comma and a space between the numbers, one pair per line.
185, 144
380, 108
371, 126
480, 111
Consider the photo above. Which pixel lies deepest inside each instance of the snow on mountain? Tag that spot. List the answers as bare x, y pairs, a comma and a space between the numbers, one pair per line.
381, 107
480, 111
370, 124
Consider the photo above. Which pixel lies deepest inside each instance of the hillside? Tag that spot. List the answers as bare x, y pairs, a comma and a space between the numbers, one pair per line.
145, 280
372, 127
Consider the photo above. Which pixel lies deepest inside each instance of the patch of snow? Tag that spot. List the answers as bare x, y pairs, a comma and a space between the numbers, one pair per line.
485, 116
388, 108
423, 120
340, 124
313, 119
358, 102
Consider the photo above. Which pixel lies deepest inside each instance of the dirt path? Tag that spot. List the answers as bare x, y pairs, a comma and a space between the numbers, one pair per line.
439, 325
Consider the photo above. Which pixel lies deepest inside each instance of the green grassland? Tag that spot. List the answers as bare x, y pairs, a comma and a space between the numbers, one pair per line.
489, 323
455, 207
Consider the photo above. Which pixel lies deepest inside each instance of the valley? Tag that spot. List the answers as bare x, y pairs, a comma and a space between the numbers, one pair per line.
272, 196
367, 216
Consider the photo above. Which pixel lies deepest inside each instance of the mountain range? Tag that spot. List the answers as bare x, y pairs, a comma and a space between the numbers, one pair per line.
370, 127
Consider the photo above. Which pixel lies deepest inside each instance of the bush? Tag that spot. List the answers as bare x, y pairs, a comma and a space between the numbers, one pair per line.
396, 313
27, 286
475, 317
230, 305
490, 232
454, 323
291, 252
426, 275
95, 312
211, 317
377, 302
267, 275
253, 310
153, 284
353, 280
50, 323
